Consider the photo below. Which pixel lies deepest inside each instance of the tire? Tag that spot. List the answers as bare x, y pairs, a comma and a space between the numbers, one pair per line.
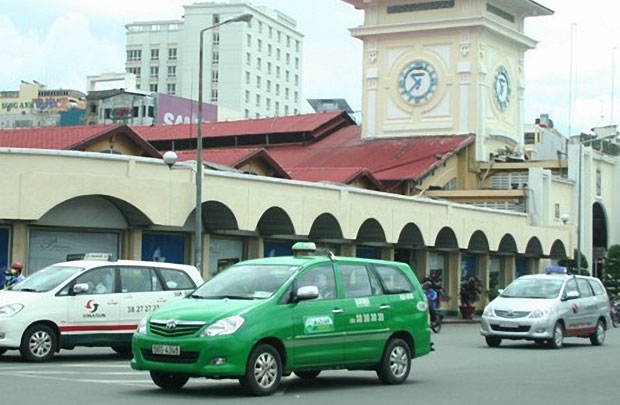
263, 371
557, 340
493, 341
395, 363
39, 343
308, 375
2, 351
123, 351
539, 342
169, 381
598, 337
436, 326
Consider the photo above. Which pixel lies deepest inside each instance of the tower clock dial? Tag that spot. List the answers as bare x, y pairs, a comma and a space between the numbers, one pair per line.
502, 88
417, 82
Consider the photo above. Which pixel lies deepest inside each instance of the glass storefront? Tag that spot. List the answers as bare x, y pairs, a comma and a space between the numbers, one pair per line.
161, 247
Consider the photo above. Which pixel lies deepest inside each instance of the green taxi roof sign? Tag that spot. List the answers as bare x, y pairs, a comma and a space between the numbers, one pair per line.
304, 248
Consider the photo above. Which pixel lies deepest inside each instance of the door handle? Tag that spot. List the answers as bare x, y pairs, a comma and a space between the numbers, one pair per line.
112, 302
337, 311
383, 307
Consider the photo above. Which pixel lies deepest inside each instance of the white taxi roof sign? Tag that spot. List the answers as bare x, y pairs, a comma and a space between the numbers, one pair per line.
106, 257
555, 270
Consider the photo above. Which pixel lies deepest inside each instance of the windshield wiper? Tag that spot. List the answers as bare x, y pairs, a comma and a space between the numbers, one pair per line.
27, 290
230, 297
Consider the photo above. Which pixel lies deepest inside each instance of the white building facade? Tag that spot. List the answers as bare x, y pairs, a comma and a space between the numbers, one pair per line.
250, 70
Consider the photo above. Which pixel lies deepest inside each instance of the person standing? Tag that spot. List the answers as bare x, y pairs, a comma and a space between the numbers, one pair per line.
15, 275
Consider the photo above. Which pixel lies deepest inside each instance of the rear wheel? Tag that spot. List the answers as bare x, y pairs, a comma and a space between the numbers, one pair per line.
307, 374
598, 337
263, 371
2, 351
493, 341
557, 340
38, 343
395, 363
169, 381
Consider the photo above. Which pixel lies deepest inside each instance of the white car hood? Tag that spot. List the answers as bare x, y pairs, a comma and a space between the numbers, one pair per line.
521, 304
10, 297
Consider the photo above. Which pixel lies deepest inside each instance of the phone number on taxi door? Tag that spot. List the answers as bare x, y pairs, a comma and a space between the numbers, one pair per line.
141, 308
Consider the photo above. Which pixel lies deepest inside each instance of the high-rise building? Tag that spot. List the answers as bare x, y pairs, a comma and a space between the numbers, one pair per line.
250, 70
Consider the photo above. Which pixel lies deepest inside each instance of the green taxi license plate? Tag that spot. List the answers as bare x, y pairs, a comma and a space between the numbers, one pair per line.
167, 350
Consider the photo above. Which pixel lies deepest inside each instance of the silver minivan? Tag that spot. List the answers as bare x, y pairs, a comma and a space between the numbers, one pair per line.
546, 308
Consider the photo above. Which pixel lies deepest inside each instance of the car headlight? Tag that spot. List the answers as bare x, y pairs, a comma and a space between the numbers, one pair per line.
9, 310
224, 326
142, 325
540, 313
488, 311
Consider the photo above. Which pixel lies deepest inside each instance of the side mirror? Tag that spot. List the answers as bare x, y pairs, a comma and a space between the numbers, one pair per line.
80, 288
309, 292
571, 295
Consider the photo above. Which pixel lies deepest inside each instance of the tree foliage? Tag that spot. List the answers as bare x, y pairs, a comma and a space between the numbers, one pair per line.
571, 266
612, 269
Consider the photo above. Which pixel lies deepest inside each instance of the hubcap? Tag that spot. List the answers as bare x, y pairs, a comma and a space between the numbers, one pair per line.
558, 336
399, 361
40, 344
600, 332
265, 370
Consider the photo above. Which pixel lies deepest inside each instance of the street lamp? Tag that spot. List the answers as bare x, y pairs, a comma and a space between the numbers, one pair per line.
580, 193
198, 225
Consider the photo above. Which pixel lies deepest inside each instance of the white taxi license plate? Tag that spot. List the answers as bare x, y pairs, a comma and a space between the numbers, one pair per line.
508, 325
167, 350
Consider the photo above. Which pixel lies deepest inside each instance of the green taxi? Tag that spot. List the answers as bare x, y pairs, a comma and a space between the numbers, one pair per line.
266, 318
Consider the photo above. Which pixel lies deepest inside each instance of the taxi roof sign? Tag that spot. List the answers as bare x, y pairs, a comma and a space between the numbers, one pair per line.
106, 257
301, 248
555, 270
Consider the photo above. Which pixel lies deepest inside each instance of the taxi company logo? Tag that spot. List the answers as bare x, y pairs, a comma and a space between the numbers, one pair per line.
317, 324
171, 325
92, 306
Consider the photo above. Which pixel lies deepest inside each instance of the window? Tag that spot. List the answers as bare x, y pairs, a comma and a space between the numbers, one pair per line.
279, 37
288, 58
247, 96
321, 277
214, 95
296, 80
216, 57
249, 40
215, 76
172, 88
297, 45
288, 41
139, 279
176, 279
286, 110
153, 88
296, 99
247, 77
393, 280
154, 71
286, 93
154, 54
278, 54
134, 55
356, 281
247, 113
584, 287
216, 18
172, 53
269, 50
268, 85
268, 103
277, 108
216, 38
278, 72
99, 281
172, 71
259, 63
248, 58
277, 89
260, 26
296, 62
258, 81
135, 70
288, 76
268, 68
259, 44
258, 100
270, 32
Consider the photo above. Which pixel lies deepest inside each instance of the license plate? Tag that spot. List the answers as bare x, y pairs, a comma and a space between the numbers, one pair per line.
166, 350
508, 325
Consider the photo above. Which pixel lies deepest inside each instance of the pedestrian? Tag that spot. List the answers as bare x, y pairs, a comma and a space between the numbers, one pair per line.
433, 300
15, 275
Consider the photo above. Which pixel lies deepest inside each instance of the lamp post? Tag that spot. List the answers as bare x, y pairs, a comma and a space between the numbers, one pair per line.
198, 225
580, 193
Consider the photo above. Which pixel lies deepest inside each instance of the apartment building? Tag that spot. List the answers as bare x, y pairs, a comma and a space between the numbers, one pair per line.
250, 70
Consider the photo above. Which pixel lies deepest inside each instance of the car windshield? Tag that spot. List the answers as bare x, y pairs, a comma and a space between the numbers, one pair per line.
246, 282
533, 288
46, 279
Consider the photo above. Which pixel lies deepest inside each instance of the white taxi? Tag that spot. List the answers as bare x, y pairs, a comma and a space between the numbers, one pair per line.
93, 302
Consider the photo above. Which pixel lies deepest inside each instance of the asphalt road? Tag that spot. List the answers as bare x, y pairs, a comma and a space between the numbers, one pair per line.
462, 370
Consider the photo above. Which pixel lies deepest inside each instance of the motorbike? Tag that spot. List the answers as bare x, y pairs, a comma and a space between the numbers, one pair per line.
436, 324
614, 312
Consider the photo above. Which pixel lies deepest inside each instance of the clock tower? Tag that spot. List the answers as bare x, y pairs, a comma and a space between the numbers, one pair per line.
441, 67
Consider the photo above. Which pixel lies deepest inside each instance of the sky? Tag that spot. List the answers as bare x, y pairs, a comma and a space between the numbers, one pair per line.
572, 75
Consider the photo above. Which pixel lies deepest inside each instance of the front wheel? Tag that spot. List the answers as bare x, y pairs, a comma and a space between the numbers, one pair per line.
493, 341
395, 363
598, 337
123, 350
557, 340
436, 326
38, 343
263, 371
169, 381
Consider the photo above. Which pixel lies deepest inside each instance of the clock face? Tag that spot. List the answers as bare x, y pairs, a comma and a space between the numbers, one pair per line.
502, 88
417, 82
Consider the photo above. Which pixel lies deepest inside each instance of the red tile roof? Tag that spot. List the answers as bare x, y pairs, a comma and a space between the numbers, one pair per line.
275, 125
58, 138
